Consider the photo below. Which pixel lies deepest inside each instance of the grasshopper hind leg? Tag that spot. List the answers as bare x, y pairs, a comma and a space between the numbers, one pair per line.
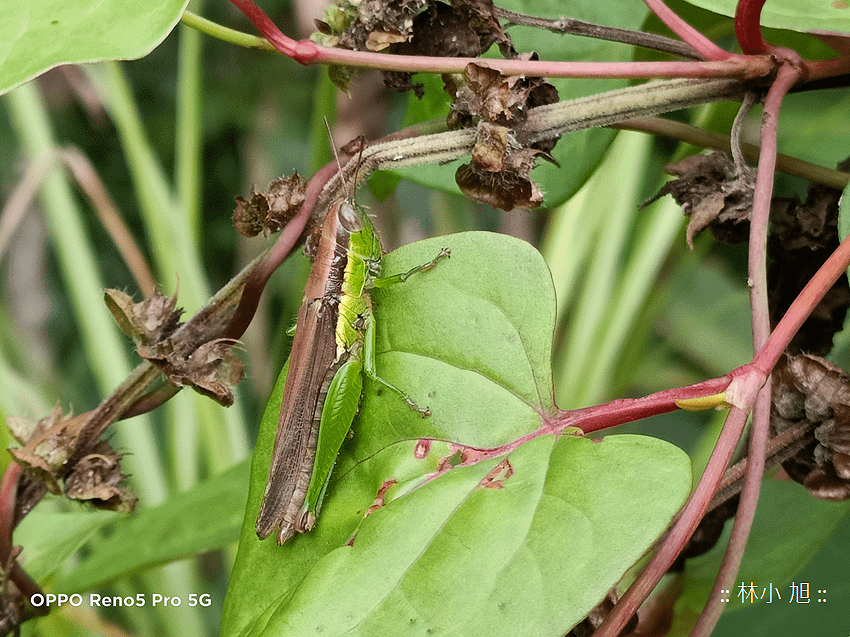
407, 399
369, 367
369, 340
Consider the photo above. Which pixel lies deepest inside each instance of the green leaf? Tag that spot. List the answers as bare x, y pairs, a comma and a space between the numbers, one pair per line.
844, 216
39, 34
49, 537
205, 518
442, 553
796, 15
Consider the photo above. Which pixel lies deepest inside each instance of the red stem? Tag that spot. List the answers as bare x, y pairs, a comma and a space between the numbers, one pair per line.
299, 51
8, 497
308, 52
282, 248
705, 47
803, 305
787, 76
8, 493
681, 531
747, 27
744, 517
752, 380
618, 412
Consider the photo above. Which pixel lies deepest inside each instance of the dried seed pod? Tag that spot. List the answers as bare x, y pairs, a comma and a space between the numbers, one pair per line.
268, 212
802, 237
811, 389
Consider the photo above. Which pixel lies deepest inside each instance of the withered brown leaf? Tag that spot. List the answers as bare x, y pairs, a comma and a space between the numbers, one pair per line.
211, 369
714, 194
147, 322
464, 28
500, 100
380, 40
499, 174
49, 445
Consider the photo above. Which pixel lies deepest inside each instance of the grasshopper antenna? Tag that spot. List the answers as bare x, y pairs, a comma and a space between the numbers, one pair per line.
336, 157
357, 145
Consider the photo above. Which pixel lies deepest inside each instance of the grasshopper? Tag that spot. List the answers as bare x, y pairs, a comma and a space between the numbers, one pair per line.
333, 347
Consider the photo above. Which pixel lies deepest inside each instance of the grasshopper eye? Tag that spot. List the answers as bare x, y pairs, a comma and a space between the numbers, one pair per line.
348, 217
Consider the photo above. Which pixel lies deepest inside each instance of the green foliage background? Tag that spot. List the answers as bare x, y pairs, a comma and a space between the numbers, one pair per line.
176, 134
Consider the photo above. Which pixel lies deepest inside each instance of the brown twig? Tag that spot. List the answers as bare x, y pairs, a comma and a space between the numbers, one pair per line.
707, 139
573, 26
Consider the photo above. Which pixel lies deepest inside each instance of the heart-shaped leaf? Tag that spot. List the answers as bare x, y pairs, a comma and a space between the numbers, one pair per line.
478, 519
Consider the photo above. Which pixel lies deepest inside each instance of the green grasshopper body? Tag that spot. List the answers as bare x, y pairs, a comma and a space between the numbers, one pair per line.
332, 348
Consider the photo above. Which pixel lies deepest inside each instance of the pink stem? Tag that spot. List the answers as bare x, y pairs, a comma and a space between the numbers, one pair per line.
787, 76
623, 410
744, 517
754, 377
8, 493
301, 52
308, 52
284, 245
705, 47
803, 305
8, 498
821, 69
681, 531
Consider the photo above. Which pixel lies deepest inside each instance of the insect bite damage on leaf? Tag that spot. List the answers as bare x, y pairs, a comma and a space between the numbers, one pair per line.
495, 479
380, 497
422, 448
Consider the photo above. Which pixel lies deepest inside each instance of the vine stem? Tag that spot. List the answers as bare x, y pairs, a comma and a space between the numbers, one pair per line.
573, 26
747, 27
25, 584
799, 310
745, 389
707, 139
788, 75
681, 531
289, 237
308, 52
705, 47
